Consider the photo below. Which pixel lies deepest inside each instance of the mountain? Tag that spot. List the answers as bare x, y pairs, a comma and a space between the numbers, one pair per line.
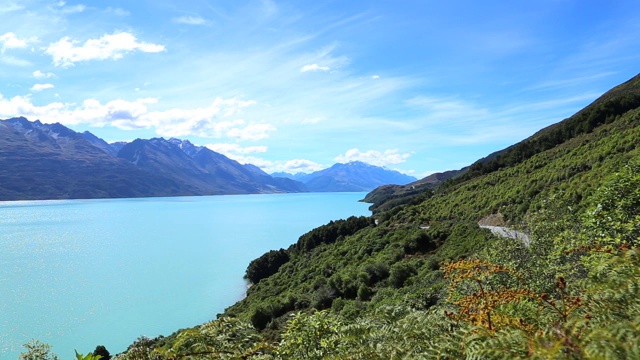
302, 177
117, 146
51, 161
352, 176
101, 144
237, 178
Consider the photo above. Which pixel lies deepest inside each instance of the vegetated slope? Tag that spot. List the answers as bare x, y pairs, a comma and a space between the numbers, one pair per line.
606, 109
410, 240
388, 277
389, 196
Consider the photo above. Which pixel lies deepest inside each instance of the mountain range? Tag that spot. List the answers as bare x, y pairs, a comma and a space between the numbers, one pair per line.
352, 176
51, 161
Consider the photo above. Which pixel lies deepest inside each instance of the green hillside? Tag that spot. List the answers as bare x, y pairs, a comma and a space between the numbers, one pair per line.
394, 286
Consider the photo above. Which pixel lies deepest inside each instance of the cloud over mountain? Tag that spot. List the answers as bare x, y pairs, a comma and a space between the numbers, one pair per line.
374, 157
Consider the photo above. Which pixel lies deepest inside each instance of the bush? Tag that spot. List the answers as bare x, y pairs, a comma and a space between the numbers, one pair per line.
400, 272
266, 265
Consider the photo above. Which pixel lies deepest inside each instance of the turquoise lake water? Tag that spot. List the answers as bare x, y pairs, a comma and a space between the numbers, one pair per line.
81, 273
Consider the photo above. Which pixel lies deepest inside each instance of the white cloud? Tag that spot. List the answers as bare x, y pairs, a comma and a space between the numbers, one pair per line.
235, 149
40, 75
300, 165
251, 132
265, 165
291, 166
22, 106
373, 157
190, 20
72, 9
11, 41
218, 120
375, 77
40, 87
314, 67
66, 53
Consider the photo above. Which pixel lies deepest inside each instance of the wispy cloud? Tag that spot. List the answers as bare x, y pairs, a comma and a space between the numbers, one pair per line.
190, 20
448, 111
568, 82
14, 61
10, 7
268, 8
66, 52
73, 9
117, 11
313, 120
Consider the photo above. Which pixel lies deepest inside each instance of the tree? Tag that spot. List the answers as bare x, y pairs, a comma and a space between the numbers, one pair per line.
266, 265
615, 216
37, 350
89, 356
102, 351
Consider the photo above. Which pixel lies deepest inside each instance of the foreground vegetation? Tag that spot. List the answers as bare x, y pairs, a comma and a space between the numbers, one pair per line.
421, 279
572, 294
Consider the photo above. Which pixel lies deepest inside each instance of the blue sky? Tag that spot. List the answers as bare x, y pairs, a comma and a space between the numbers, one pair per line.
416, 86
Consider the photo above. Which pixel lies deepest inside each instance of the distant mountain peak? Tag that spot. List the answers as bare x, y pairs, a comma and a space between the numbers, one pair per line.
362, 164
186, 146
350, 176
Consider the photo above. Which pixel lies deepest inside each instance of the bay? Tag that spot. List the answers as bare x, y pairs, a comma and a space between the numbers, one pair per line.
81, 273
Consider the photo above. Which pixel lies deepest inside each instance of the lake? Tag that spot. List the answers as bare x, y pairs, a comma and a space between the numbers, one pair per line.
81, 273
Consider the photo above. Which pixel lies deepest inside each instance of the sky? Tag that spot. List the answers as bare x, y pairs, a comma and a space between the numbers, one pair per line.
415, 86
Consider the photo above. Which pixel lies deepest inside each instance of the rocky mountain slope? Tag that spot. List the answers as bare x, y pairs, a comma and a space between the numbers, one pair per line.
51, 161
